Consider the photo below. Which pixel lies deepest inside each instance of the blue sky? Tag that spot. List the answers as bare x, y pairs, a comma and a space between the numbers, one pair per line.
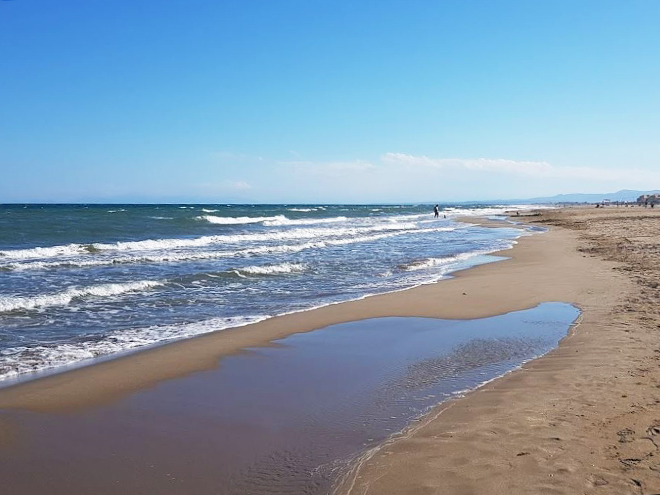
326, 101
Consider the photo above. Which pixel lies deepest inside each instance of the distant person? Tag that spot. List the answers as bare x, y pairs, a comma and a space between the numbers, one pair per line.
436, 211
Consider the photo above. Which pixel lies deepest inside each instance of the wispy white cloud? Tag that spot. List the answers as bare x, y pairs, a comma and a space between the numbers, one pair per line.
532, 169
402, 176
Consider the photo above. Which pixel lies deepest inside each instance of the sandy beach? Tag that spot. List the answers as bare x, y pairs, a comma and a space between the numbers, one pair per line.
582, 419
330, 248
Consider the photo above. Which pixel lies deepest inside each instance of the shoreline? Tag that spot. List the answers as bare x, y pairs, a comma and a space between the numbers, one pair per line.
581, 419
474, 259
348, 481
346, 485
281, 419
137, 369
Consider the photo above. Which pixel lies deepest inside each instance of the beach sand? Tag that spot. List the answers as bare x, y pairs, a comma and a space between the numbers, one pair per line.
579, 420
583, 419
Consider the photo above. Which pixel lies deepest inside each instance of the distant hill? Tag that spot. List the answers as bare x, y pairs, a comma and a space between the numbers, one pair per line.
623, 195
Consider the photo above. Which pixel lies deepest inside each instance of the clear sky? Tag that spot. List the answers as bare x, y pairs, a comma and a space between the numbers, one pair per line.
326, 101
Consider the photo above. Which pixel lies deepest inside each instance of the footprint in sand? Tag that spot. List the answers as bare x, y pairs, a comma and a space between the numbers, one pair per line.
653, 430
626, 435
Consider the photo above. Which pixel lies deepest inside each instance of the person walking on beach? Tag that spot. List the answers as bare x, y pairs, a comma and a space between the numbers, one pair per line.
436, 211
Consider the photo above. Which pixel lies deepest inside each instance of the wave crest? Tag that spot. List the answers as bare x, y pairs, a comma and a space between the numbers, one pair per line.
20, 360
274, 269
238, 220
283, 221
64, 298
44, 252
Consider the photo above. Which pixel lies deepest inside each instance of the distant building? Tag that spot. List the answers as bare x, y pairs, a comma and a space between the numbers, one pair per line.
648, 199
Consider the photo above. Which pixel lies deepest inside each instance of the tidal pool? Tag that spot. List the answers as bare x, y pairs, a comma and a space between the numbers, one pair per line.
286, 419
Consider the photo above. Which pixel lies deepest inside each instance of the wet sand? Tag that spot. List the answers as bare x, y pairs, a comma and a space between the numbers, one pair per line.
580, 420
583, 419
287, 418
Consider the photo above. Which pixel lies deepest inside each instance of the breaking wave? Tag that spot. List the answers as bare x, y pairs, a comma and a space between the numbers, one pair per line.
167, 256
20, 360
302, 221
432, 262
9, 303
44, 252
178, 274
273, 269
71, 250
237, 220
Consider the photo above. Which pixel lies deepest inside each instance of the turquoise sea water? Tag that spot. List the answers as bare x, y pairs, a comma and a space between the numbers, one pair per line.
82, 281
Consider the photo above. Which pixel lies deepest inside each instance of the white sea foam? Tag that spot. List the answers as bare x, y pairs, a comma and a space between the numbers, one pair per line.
73, 250
445, 260
41, 265
490, 210
163, 250
157, 244
205, 210
11, 303
274, 269
20, 360
279, 235
270, 249
44, 252
283, 221
238, 220
274, 221
416, 217
302, 209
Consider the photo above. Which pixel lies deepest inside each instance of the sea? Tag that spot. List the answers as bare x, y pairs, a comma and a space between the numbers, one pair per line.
88, 281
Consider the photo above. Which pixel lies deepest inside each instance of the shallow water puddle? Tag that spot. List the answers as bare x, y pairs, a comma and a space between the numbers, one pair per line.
281, 419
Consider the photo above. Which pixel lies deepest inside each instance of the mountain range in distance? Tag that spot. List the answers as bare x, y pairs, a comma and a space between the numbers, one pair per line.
627, 195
